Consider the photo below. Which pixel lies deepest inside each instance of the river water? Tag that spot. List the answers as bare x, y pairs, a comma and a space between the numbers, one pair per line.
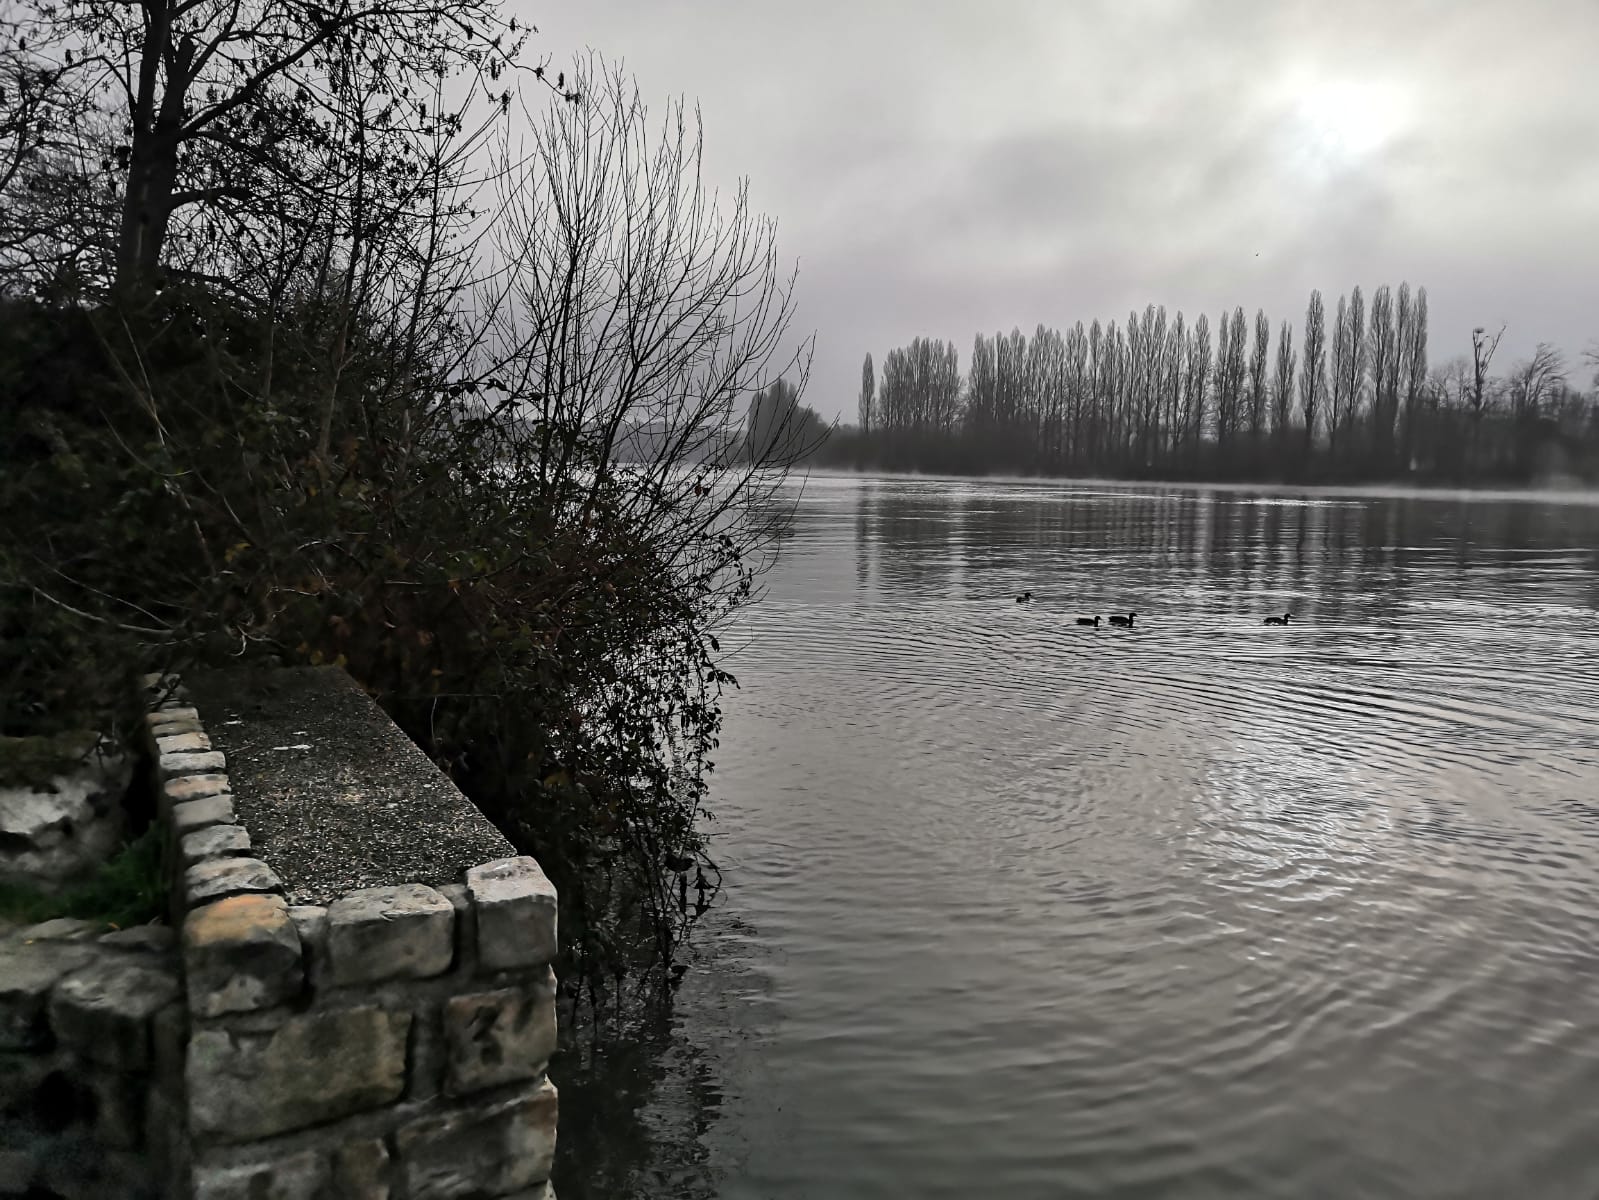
1198, 909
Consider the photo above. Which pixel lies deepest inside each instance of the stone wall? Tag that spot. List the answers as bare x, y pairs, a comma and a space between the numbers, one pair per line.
309, 1041
92, 1026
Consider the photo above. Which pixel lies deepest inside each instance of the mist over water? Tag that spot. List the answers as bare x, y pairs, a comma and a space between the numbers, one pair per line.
1201, 908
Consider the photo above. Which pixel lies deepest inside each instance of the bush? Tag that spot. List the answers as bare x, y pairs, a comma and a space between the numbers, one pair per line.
408, 464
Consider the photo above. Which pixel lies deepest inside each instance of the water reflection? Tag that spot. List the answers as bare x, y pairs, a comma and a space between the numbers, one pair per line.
1200, 908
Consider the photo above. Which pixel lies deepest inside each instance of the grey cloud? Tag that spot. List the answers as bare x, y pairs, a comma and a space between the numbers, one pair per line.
940, 168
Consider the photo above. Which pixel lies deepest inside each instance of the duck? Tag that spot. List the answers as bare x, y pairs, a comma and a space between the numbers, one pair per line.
1118, 619
1282, 620
1094, 621
1024, 598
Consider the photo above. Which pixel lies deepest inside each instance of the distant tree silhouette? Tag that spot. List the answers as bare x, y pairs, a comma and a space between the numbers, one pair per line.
1282, 387
1258, 361
1313, 373
1151, 397
868, 395
779, 427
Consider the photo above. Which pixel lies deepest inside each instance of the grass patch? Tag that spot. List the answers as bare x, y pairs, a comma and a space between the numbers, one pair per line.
126, 891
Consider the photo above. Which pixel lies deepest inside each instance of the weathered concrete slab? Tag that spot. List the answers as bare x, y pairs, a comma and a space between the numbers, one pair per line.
334, 796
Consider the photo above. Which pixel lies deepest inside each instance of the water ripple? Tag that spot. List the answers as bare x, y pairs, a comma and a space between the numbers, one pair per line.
1199, 908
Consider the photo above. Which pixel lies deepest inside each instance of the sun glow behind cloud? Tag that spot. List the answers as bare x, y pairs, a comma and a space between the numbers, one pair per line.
1337, 125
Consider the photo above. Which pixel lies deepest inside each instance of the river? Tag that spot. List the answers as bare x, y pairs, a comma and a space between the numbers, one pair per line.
1201, 908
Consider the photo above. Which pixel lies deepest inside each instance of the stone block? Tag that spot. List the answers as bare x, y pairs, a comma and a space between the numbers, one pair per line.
203, 762
181, 743
163, 718
313, 1068
302, 1176
404, 932
499, 1037
219, 877
487, 1151
214, 841
196, 787
241, 954
147, 939
193, 815
361, 1170
103, 1010
515, 906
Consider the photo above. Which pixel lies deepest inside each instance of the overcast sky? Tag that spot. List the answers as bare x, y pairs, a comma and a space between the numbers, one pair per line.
943, 168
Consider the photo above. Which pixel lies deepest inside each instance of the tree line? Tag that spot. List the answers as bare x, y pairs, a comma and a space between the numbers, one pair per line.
1349, 396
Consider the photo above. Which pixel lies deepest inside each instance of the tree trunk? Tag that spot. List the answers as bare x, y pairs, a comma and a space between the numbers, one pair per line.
153, 156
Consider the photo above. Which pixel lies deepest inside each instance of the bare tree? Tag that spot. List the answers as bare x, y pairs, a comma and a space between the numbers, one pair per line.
1483, 348
1258, 363
1349, 369
1196, 382
634, 302
1282, 391
1338, 399
1313, 372
209, 112
1358, 352
1532, 387
868, 394
1230, 369
1176, 351
1414, 352
1384, 367
1533, 381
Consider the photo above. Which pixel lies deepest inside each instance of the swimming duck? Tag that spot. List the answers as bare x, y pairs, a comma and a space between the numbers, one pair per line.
1118, 619
1282, 620
1094, 621
1024, 598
